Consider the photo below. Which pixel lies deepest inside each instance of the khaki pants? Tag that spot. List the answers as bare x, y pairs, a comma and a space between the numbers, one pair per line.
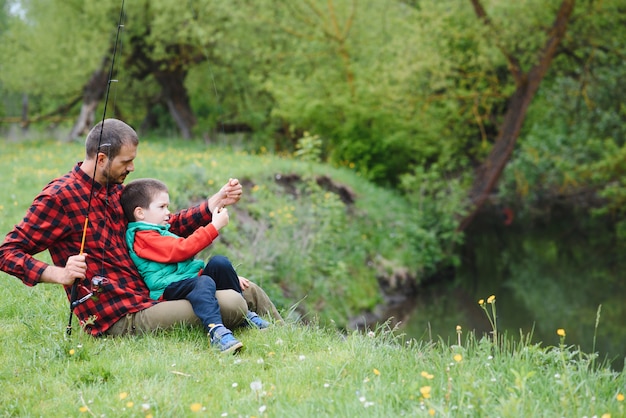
167, 314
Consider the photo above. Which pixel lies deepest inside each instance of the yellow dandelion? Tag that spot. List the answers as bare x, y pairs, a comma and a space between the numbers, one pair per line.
72, 352
620, 397
83, 409
491, 299
481, 302
458, 358
376, 372
425, 391
560, 332
431, 412
195, 407
123, 395
607, 415
129, 404
427, 375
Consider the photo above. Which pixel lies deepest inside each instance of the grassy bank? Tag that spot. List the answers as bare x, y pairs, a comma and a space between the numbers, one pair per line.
283, 235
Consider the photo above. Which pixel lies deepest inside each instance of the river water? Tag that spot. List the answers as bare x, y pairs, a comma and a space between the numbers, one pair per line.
556, 269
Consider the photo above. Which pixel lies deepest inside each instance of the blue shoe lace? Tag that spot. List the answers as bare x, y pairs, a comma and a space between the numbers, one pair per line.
257, 321
223, 339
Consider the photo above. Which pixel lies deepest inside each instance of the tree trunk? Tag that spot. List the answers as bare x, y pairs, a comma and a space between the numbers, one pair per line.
92, 95
175, 95
527, 84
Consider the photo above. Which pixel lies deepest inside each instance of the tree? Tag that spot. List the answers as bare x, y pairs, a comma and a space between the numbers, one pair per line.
526, 86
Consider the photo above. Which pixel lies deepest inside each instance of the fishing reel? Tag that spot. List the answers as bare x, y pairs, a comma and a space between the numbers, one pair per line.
96, 285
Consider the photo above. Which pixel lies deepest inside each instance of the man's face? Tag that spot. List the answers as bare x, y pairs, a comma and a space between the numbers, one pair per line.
118, 168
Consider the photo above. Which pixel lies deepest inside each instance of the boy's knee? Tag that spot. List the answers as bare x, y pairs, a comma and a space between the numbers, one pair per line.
207, 282
219, 261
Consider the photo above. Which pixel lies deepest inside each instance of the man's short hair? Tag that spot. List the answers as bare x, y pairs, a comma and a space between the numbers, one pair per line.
111, 135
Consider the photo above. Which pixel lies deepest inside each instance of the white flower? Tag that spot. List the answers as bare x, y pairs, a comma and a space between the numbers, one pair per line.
256, 385
235, 385
260, 361
301, 357
262, 408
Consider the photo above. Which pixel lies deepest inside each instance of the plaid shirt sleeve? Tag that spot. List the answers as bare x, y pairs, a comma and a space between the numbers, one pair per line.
43, 225
186, 221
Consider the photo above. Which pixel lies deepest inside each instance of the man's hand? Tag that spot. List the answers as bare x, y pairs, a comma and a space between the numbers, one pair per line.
229, 194
75, 268
244, 283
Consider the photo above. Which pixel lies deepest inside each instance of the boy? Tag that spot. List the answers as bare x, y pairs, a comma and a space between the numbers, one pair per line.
167, 264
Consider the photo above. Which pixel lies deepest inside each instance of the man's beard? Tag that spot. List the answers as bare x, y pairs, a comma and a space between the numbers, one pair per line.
112, 179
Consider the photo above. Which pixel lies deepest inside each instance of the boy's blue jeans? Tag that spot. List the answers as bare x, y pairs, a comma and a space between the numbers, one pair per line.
218, 274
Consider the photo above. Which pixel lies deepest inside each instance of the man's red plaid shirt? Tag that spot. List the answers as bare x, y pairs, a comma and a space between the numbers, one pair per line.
55, 222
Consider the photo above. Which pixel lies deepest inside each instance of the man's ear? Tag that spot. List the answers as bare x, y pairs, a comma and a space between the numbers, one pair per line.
101, 158
138, 214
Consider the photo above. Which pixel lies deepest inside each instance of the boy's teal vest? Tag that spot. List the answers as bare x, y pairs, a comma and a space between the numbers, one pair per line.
159, 275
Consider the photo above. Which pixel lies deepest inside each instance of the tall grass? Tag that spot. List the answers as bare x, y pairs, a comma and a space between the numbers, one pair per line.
298, 370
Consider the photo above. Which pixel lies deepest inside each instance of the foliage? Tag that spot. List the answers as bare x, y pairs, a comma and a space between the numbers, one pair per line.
436, 203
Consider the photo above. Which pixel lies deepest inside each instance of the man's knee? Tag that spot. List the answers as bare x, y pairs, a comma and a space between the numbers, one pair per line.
233, 307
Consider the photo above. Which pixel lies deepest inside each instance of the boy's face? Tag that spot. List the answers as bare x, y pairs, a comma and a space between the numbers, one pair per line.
158, 212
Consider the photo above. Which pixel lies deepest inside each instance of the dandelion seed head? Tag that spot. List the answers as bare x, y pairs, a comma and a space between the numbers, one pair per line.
256, 385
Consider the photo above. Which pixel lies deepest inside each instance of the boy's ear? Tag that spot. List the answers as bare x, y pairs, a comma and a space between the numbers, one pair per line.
138, 214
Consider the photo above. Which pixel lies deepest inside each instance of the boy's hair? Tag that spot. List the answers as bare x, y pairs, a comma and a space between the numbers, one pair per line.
115, 134
139, 194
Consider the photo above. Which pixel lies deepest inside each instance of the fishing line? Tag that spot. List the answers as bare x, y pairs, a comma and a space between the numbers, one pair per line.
74, 301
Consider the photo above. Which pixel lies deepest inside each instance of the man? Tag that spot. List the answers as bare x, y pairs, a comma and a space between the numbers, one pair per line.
112, 298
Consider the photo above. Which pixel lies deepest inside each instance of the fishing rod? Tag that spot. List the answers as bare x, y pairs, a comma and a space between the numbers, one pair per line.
96, 281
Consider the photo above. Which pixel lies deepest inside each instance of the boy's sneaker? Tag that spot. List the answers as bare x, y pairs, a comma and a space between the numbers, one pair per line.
256, 321
223, 339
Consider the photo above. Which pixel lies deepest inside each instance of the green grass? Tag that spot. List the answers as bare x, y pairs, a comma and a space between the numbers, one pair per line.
295, 370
